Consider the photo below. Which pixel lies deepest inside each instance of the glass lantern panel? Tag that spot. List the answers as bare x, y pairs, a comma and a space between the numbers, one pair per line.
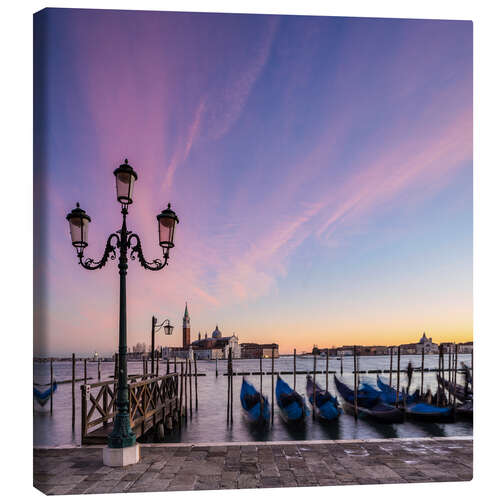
78, 227
124, 187
166, 226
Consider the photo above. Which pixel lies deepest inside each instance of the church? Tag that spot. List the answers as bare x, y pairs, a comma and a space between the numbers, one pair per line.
425, 344
214, 347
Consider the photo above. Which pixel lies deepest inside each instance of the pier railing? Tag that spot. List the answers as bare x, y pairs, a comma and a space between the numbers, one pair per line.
152, 400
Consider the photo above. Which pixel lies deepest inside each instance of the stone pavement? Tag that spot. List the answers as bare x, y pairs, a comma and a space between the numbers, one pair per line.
166, 467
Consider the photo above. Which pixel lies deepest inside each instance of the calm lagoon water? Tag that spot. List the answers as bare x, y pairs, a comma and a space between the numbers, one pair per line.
209, 423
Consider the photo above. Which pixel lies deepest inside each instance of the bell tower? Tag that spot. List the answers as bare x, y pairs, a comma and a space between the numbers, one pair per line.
186, 329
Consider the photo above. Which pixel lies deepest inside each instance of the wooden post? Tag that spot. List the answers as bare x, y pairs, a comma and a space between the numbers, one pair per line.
85, 371
195, 382
157, 363
216, 366
471, 370
168, 366
327, 363
449, 374
190, 391
398, 375
99, 369
185, 391
314, 387
73, 362
51, 383
355, 383
294, 368
181, 393
231, 376
228, 392
341, 363
455, 378
390, 370
175, 364
272, 385
260, 371
84, 412
422, 373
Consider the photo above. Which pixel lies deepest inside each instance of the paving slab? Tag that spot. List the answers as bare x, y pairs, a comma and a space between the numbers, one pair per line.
181, 467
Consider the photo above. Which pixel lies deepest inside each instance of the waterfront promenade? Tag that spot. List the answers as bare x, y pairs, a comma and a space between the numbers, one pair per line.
175, 467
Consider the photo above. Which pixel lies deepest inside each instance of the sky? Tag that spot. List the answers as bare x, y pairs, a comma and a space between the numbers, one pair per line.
321, 169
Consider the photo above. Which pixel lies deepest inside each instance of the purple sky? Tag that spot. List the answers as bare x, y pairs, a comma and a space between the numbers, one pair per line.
321, 169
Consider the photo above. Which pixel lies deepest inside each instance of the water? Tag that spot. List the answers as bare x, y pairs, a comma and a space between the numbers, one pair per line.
209, 423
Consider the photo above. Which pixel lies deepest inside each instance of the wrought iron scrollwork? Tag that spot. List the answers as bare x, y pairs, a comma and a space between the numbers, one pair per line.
155, 265
109, 253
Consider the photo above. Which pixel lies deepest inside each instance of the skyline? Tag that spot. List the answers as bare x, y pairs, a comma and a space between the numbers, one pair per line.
321, 169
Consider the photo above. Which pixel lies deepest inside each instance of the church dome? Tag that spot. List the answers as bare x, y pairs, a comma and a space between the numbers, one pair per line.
216, 334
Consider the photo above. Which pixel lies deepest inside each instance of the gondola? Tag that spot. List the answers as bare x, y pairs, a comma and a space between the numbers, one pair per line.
325, 406
292, 405
40, 398
414, 407
456, 389
465, 410
390, 395
424, 412
369, 404
255, 405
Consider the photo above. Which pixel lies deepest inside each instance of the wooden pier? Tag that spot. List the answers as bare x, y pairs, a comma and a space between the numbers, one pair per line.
153, 401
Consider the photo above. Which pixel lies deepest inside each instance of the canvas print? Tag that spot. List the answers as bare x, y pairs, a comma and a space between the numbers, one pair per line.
253, 251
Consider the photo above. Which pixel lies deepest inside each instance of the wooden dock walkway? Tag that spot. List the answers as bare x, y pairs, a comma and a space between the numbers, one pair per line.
153, 401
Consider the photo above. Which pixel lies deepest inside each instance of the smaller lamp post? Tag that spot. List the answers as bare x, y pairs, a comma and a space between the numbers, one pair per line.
168, 328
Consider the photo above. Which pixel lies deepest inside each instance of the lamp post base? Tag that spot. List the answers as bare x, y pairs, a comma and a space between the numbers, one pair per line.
120, 457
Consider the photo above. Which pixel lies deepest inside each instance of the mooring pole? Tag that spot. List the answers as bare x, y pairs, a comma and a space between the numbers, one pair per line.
228, 392
216, 368
196, 381
157, 363
314, 387
168, 366
260, 361
231, 363
355, 360
341, 363
455, 379
422, 374
390, 369
73, 391
175, 364
471, 370
99, 369
185, 390
190, 391
449, 374
85, 371
182, 393
327, 363
294, 368
398, 375
51, 383
272, 385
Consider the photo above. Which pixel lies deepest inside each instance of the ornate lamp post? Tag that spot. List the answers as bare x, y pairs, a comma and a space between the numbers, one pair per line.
155, 328
122, 438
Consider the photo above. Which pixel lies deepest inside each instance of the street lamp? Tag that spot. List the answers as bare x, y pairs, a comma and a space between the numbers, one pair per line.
167, 327
122, 437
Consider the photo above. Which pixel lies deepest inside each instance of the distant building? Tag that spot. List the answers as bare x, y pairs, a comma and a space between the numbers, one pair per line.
466, 348
251, 350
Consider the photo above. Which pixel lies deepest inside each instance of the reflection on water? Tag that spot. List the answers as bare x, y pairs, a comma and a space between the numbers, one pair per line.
209, 423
